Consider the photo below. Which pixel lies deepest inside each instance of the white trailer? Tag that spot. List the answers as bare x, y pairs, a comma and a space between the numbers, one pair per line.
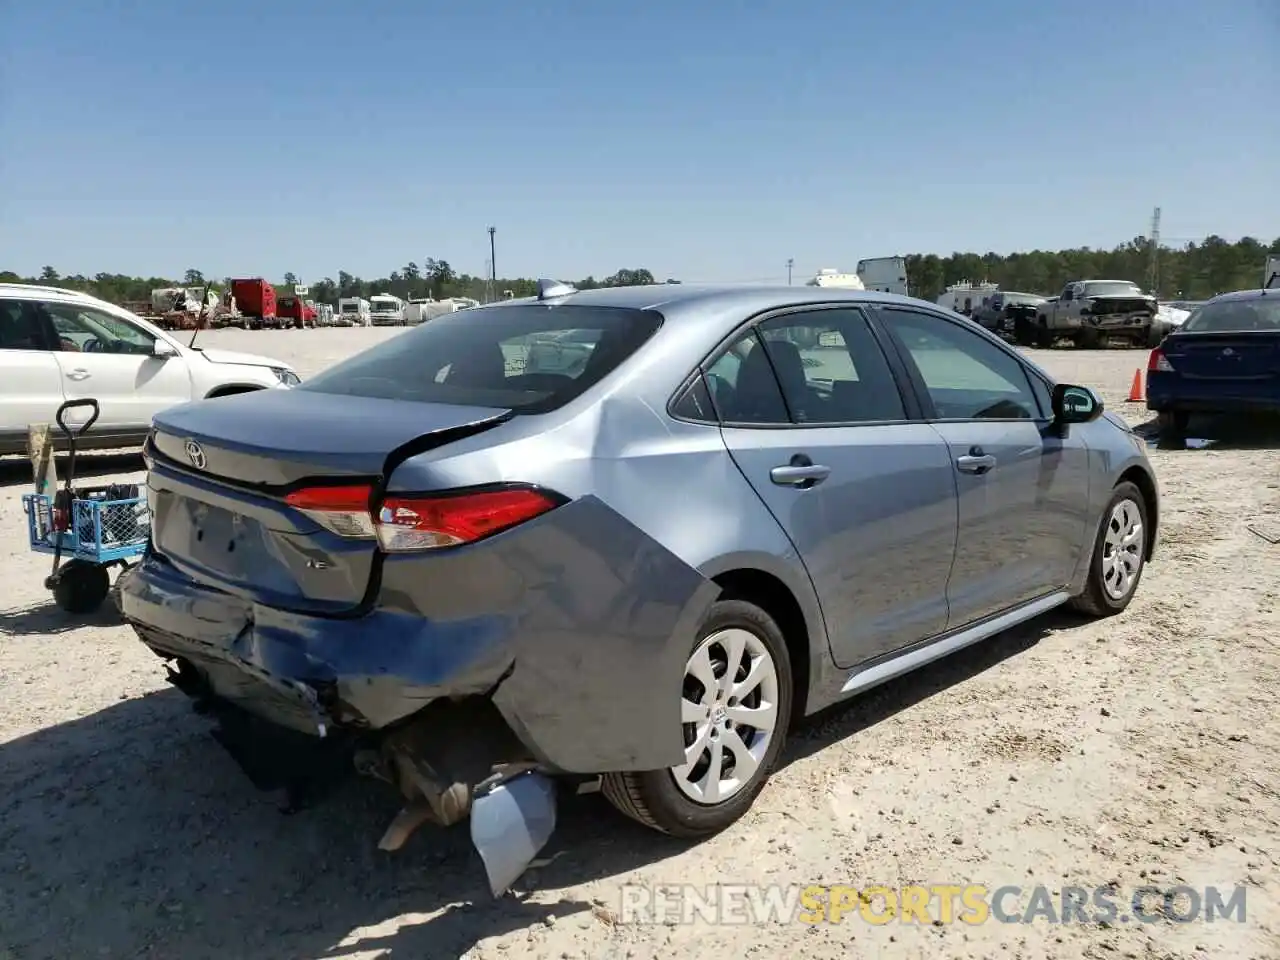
965, 297
831, 277
352, 312
386, 310
885, 274
1271, 275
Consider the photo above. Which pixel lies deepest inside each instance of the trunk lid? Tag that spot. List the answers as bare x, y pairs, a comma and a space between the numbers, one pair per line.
1224, 356
221, 470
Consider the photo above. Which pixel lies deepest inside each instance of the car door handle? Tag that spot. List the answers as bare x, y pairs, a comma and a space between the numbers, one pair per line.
975, 461
799, 474
80, 373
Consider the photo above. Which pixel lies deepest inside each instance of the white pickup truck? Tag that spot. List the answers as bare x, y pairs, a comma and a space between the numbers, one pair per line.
58, 345
1090, 312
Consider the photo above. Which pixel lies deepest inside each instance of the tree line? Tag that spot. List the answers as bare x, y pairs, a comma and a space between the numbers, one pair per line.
1192, 272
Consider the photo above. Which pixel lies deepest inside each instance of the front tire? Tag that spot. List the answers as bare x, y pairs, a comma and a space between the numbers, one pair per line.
1119, 554
736, 710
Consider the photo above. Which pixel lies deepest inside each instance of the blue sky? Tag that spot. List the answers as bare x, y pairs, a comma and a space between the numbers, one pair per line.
701, 140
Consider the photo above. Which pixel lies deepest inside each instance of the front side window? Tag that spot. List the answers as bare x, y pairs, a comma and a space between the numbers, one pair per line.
87, 330
528, 358
966, 376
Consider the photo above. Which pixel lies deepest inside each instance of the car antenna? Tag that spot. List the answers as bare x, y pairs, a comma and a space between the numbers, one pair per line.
204, 310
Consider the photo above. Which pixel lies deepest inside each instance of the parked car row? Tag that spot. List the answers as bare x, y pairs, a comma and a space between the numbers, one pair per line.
1089, 313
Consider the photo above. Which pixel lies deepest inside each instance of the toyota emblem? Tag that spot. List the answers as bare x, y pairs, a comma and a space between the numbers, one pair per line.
1228, 352
195, 453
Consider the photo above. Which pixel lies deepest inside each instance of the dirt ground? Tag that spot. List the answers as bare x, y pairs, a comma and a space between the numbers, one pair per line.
1137, 751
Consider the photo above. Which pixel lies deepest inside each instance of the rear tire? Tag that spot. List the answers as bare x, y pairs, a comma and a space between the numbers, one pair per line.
81, 586
665, 799
1119, 554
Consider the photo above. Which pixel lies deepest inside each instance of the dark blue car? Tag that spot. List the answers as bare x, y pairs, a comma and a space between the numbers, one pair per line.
1225, 358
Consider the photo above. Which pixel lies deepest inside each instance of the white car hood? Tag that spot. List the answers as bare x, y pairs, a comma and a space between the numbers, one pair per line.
247, 359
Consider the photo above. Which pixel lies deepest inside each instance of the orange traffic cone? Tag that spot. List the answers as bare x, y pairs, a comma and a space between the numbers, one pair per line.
1135, 391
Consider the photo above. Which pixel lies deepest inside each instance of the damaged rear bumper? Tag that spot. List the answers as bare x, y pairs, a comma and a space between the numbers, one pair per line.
468, 683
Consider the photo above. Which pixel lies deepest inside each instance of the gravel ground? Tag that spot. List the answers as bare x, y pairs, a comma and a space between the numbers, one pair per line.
1140, 750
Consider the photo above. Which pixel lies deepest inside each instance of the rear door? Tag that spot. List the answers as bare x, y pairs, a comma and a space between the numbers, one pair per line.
1023, 492
813, 416
30, 381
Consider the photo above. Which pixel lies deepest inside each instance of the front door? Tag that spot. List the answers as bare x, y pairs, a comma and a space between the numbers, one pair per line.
105, 357
814, 419
1023, 493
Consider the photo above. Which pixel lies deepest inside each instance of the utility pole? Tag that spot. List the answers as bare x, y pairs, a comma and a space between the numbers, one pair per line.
790, 263
493, 263
1155, 253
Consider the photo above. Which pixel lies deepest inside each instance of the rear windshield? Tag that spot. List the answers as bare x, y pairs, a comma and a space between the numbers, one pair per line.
1235, 316
528, 357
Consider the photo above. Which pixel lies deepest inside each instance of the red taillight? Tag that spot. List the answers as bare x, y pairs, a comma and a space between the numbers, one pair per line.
1158, 361
343, 510
423, 523
408, 523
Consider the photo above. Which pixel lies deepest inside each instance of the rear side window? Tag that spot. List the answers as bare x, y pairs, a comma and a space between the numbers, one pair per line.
529, 358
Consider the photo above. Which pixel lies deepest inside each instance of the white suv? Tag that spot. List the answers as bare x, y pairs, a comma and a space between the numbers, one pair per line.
58, 345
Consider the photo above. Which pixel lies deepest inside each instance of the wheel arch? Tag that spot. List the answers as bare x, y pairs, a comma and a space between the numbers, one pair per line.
1146, 484
771, 594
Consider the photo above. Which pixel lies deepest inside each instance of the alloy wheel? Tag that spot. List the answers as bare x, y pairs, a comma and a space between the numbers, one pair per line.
1122, 549
729, 710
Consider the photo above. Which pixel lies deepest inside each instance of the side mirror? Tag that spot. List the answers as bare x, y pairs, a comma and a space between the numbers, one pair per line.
1075, 404
163, 349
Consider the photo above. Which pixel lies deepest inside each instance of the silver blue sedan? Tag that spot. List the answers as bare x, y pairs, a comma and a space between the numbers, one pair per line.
622, 537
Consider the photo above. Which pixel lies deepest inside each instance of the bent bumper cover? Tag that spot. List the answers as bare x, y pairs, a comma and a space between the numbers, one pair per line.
573, 626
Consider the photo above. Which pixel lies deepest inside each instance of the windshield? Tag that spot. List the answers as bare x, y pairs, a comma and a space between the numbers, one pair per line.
383, 306
349, 308
1235, 316
1112, 288
528, 358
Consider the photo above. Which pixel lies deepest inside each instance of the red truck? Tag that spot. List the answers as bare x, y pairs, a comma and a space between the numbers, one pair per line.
294, 311
256, 301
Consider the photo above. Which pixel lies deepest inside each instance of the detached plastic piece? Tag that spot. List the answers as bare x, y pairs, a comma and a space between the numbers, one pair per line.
509, 825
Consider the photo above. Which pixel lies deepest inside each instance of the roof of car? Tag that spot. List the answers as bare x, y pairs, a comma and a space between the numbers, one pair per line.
33, 290
667, 296
1244, 295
